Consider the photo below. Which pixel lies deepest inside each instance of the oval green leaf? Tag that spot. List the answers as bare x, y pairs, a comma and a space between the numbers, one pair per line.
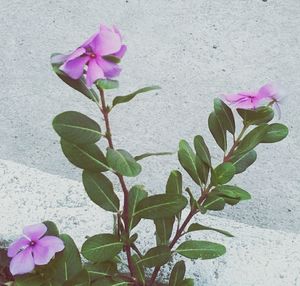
202, 150
160, 206
243, 161
252, 139
107, 84
217, 131
187, 159
101, 269
223, 173
156, 256
224, 115
198, 249
262, 114
177, 274
136, 194
214, 202
101, 247
76, 128
275, 133
100, 190
87, 157
164, 227
122, 162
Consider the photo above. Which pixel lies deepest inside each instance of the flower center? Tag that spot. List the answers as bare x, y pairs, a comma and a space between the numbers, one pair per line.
92, 55
32, 243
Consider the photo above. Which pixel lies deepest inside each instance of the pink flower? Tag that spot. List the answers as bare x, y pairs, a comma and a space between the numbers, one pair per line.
33, 249
91, 54
252, 100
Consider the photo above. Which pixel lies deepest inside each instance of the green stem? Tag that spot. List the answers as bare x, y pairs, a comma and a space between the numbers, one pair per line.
235, 144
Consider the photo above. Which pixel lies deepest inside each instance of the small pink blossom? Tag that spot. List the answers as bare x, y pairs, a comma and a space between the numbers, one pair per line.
91, 54
33, 249
251, 100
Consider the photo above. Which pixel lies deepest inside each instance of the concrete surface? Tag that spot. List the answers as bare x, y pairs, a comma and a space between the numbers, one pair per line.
255, 256
196, 50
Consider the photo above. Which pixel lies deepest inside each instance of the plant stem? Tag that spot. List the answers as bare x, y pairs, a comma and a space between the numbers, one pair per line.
105, 112
193, 211
235, 144
179, 232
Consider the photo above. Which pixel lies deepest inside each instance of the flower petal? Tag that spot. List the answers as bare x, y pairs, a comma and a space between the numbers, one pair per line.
35, 231
17, 245
77, 53
52, 242
22, 263
89, 40
46, 248
110, 69
74, 68
107, 42
121, 52
94, 72
268, 91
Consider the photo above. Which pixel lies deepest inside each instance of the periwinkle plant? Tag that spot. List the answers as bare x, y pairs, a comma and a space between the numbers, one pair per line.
95, 63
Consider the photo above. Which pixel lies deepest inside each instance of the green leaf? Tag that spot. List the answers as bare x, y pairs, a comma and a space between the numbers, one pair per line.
197, 227
138, 270
107, 83
223, 173
275, 133
214, 202
243, 161
233, 192
110, 282
164, 227
101, 269
77, 84
29, 280
187, 159
202, 170
258, 116
123, 163
160, 206
76, 128
202, 150
112, 59
156, 256
87, 157
187, 282
145, 155
101, 247
51, 228
128, 97
174, 183
80, 279
195, 249
177, 274
136, 194
224, 115
67, 264
100, 190
217, 131
252, 139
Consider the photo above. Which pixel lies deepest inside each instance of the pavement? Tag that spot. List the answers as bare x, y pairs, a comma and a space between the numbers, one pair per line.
196, 51
255, 256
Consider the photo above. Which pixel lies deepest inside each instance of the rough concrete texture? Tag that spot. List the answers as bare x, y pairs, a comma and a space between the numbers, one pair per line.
196, 50
255, 256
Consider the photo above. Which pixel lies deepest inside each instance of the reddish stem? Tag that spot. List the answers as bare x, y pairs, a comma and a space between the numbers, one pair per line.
125, 217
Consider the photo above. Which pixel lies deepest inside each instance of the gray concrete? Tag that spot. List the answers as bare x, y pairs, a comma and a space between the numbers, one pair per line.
196, 50
255, 256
